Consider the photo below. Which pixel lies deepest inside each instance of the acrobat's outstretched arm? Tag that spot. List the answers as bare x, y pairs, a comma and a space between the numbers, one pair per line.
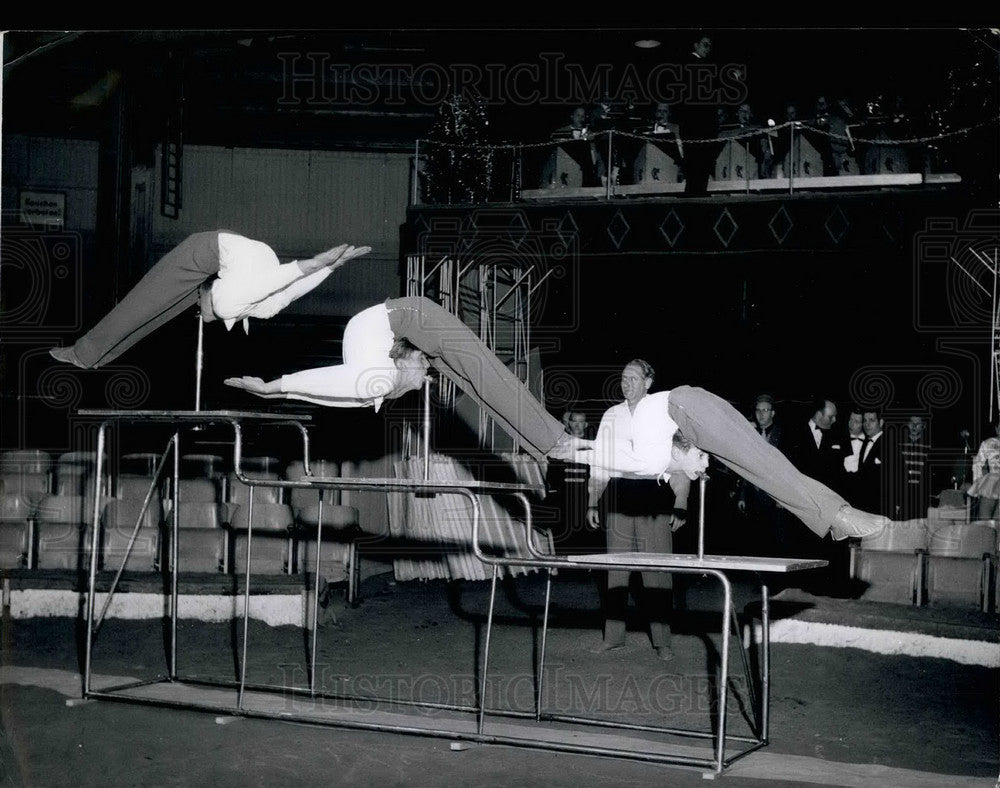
272, 289
338, 386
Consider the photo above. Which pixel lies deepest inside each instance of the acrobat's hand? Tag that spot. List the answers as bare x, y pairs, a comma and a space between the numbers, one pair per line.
333, 258
258, 386
593, 518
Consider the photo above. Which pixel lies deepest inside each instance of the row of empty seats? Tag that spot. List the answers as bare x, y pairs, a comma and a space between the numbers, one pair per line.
47, 512
935, 560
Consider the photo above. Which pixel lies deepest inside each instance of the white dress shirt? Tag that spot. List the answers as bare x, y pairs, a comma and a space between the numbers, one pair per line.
868, 448
252, 283
817, 432
635, 444
851, 461
367, 374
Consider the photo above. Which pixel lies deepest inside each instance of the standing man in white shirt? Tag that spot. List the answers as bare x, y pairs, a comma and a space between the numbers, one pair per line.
231, 276
639, 515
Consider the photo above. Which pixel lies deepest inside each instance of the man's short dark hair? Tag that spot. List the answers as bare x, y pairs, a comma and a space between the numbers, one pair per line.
681, 443
401, 348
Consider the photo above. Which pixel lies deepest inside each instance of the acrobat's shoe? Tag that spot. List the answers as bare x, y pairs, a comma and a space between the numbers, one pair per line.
857, 524
66, 355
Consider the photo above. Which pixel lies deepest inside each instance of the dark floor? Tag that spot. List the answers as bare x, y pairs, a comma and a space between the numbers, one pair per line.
839, 716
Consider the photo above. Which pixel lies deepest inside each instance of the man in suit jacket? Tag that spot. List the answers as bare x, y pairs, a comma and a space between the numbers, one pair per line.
873, 490
852, 454
768, 525
699, 121
815, 449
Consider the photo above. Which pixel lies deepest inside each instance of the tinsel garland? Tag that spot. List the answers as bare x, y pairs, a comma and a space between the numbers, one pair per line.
458, 163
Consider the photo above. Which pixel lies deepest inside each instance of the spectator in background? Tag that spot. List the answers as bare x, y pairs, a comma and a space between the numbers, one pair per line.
576, 423
813, 447
699, 121
574, 139
873, 492
829, 135
914, 469
662, 158
768, 525
752, 159
961, 473
985, 489
785, 153
852, 454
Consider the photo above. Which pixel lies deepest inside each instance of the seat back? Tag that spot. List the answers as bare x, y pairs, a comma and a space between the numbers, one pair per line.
301, 497
62, 525
202, 466
15, 509
951, 498
202, 490
118, 524
15, 461
962, 540
134, 487
139, 463
33, 485
239, 493
900, 536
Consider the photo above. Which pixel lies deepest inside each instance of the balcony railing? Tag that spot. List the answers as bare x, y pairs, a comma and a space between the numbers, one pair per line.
795, 156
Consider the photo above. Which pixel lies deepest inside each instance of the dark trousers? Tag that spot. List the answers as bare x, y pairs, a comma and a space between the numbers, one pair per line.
458, 354
167, 289
714, 425
637, 519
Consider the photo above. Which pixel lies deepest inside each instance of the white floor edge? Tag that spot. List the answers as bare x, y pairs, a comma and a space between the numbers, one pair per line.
884, 641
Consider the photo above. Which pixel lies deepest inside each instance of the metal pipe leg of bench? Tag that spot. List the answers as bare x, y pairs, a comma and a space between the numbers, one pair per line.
315, 599
353, 573
486, 651
541, 656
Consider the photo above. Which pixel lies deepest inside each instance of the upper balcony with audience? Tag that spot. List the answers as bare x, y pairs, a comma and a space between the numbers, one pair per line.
730, 124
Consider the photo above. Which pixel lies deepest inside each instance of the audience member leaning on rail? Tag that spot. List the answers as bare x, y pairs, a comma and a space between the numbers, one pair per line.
388, 349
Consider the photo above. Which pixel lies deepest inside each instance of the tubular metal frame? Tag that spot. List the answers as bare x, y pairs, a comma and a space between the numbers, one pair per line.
533, 737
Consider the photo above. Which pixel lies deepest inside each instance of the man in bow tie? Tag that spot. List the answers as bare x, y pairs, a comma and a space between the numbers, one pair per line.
852, 454
874, 493
814, 449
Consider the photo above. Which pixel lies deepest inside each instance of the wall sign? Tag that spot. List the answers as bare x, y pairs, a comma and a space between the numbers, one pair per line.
43, 208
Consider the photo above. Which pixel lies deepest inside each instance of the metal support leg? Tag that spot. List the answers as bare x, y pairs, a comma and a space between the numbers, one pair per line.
765, 682
486, 652
720, 742
541, 656
246, 603
94, 546
315, 599
174, 552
